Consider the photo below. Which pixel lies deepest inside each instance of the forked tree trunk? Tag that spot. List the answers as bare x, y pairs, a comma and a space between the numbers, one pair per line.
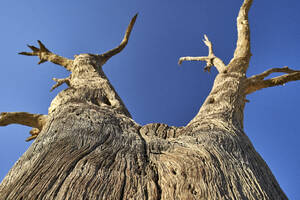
88, 147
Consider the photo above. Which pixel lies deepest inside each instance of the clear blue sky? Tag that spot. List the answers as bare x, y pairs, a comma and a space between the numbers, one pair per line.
146, 74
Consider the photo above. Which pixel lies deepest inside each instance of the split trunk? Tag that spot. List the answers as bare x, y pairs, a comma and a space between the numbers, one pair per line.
88, 147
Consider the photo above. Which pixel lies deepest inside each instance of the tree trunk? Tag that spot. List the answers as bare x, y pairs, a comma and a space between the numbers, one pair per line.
88, 147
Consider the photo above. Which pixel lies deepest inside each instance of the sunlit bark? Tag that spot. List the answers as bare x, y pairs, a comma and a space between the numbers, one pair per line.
88, 147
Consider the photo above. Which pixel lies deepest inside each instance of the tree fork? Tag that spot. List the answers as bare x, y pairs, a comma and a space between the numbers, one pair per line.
90, 148
211, 59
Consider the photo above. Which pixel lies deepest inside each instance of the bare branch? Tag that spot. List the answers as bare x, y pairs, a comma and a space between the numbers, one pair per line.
242, 50
37, 121
209, 45
45, 55
211, 59
32, 137
243, 41
107, 55
257, 82
270, 71
59, 82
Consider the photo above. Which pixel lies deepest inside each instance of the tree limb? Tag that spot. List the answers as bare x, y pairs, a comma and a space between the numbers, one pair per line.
243, 42
45, 55
211, 59
270, 71
107, 55
37, 121
59, 82
257, 82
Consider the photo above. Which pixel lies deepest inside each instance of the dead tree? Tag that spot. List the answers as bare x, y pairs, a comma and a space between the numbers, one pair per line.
88, 147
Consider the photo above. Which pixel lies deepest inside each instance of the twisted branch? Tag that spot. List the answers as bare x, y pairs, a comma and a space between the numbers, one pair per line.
211, 59
45, 55
257, 82
107, 55
37, 121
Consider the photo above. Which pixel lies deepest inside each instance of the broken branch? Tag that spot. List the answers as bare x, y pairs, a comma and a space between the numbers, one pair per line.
211, 59
45, 55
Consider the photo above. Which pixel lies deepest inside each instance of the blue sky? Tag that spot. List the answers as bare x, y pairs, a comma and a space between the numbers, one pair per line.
146, 74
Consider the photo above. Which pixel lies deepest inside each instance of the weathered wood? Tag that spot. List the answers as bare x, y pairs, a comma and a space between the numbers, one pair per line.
90, 148
37, 121
211, 59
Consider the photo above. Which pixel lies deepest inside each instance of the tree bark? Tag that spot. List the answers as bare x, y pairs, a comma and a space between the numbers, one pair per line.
88, 147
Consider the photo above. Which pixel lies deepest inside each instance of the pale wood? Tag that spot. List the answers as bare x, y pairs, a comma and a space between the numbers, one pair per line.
124, 42
45, 55
211, 59
37, 121
257, 82
90, 148
242, 53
